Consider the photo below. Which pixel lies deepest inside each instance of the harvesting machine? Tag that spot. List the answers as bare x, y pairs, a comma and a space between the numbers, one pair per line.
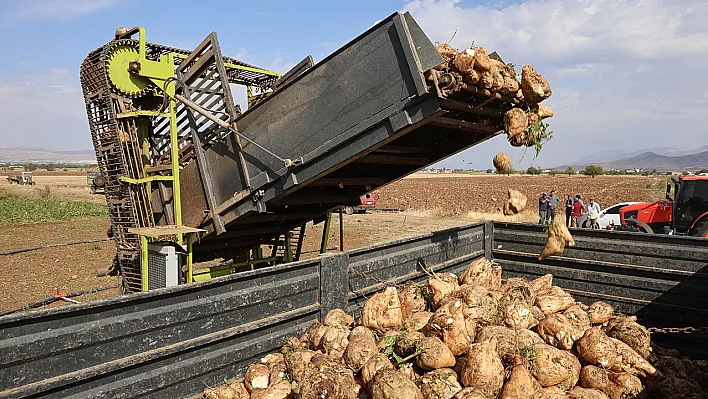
181, 158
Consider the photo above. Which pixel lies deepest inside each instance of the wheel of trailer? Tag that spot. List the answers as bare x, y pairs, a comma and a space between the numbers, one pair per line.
701, 230
643, 227
349, 210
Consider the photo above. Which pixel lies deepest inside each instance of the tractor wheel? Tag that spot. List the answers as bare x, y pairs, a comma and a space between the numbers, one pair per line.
349, 210
643, 227
99, 181
701, 230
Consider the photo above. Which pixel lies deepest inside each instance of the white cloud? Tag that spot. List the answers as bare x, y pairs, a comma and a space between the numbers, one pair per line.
624, 74
582, 69
280, 65
45, 109
579, 30
63, 10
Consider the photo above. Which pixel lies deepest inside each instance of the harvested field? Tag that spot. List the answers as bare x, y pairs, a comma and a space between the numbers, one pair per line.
31, 276
461, 194
61, 187
433, 202
57, 172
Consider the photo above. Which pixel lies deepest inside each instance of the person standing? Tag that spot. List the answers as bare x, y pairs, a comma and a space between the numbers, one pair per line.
552, 206
568, 210
593, 213
577, 211
542, 208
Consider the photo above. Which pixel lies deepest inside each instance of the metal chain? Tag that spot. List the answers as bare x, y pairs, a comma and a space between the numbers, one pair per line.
372, 278
679, 330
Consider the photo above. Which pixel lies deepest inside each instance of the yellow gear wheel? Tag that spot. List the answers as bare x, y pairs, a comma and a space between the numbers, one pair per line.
119, 56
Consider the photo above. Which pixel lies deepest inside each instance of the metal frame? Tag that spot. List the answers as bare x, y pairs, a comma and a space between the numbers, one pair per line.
164, 140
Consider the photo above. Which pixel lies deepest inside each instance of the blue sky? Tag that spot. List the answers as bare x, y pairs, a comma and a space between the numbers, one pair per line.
624, 74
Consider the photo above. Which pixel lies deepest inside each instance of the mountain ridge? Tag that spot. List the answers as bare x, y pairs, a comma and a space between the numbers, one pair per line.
650, 160
41, 155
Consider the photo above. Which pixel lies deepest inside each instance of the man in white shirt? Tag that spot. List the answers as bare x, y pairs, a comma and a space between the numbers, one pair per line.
593, 213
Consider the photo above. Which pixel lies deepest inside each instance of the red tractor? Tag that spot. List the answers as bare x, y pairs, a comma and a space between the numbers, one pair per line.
685, 214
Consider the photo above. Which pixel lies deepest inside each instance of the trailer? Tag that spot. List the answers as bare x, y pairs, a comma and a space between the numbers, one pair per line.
174, 342
24, 178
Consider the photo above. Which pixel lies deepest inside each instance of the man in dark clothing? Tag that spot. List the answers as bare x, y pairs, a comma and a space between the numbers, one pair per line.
568, 209
543, 208
552, 205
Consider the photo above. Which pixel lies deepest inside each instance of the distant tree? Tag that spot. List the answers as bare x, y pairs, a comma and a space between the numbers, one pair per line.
511, 171
30, 167
533, 171
489, 171
50, 167
646, 173
703, 171
654, 171
553, 172
593, 170
569, 171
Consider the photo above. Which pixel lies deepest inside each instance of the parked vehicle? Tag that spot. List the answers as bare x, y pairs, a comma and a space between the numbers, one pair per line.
367, 202
684, 214
24, 178
96, 181
608, 216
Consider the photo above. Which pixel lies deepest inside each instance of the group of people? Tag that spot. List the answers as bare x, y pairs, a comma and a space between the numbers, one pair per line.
574, 207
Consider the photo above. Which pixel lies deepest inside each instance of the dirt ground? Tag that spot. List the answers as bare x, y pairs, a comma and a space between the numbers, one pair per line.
31, 276
462, 194
64, 187
433, 202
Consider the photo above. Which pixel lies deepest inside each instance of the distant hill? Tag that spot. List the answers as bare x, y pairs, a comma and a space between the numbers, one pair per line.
39, 155
663, 159
650, 160
612, 155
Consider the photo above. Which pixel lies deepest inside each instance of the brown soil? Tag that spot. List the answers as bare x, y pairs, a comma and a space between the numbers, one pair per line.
35, 275
60, 172
64, 187
433, 203
460, 194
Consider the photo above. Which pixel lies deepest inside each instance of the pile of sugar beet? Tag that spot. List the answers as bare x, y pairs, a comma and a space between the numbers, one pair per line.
473, 69
473, 337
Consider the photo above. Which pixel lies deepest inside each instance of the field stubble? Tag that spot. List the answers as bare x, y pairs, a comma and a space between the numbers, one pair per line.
482, 196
